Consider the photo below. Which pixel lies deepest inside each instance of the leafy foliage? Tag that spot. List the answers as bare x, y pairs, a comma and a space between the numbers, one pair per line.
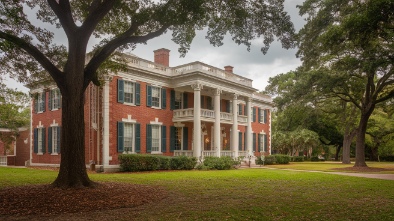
138, 162
218, 163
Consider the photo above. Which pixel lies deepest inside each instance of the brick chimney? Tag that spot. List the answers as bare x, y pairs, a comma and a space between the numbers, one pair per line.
228, 68
162, 56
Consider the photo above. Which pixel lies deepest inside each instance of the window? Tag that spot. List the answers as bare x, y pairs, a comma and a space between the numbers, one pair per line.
39, 140
128, 137
262, 142
206, 102
40, 103
156, 141
155, 138
54, 102
155, 97
178, 100
178, 138
128, 92
263, 114
54, 140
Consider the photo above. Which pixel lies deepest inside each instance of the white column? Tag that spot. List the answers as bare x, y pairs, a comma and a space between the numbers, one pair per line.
234, 129
269, 132
216, 127
249, 126
197, 120
106, 156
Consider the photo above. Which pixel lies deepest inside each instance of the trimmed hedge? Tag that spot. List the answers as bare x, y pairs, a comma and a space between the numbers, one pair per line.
268, 160
218, 163
282, 159
138, 162
298, 159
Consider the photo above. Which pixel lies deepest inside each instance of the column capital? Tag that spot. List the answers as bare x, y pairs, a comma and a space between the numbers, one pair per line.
106, 78
248, 99
197, 86
235, 96
216, 91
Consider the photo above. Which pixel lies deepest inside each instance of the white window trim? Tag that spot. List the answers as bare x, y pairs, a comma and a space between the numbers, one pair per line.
132, 121
39, 133
157, 123
158, 87
124, 91
52, 100
39, 103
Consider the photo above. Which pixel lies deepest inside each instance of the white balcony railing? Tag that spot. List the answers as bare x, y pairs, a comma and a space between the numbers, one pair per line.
242, 153
186, 114
226, 153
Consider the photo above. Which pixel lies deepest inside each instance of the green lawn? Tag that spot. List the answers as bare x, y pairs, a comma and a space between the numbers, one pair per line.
243, 194
331, 166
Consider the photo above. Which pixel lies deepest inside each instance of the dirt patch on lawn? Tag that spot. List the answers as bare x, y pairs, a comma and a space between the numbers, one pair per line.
45, 200
362, 169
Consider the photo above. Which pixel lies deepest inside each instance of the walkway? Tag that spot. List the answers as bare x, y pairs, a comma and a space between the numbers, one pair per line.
365, 175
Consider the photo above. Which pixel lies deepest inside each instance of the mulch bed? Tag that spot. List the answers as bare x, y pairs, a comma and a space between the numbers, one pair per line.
363, 169
45, 200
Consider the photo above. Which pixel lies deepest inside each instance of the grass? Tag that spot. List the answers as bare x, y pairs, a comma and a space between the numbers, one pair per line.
247, 194
330, 166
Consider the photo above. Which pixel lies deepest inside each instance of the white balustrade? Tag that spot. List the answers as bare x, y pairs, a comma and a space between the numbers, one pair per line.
207, 113
188, 153
209, 153
226, 116
242, 153
226, 153
242, 119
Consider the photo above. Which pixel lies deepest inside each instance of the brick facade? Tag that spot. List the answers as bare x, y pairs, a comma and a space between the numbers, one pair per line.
167, 80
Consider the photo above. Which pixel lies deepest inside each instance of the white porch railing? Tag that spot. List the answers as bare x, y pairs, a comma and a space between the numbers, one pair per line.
242, 119
226, 153
3, 160
242, 153
226, 116
183, 113
209, 153
188, 153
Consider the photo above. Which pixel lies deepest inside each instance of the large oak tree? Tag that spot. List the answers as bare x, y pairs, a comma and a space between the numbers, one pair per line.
350, 42
28, 51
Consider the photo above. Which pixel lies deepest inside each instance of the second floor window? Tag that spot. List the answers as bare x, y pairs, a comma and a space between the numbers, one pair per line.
54, 101
40, 103
155, 97
128, 92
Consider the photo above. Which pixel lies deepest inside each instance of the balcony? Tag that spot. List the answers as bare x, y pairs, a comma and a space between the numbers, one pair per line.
182, 115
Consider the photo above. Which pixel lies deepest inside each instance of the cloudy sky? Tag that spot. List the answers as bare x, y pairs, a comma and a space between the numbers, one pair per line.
254, 64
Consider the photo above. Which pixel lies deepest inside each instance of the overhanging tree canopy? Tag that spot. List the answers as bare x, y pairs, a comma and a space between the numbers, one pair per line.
27, 51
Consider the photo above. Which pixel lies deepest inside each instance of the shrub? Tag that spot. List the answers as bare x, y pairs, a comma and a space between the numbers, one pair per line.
218, 163
282, 159
315, 159
387, 158
298, 159
137, 162
183, 163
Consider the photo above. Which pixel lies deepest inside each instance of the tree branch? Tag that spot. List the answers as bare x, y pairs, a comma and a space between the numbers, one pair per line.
97, 12
55, 73
110, 47
63, 12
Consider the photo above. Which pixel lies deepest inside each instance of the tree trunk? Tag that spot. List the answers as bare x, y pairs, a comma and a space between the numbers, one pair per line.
72, 172
72, 167
347, 141
338, 149
360, 141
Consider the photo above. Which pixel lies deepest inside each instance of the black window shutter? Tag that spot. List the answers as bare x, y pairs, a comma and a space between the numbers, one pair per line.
172, 138
43, 101
163, 98
259, 114
50, 100
163, 139
240, 141
148, 96
137, 138
172, 105
185, 139
148, 138
49, 139
254, 142
254, 114
259, 142
43, 141
35, 140
137, 94
120, 137
120, 91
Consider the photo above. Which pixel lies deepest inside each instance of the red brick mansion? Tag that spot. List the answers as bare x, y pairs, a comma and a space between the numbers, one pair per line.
193, 109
